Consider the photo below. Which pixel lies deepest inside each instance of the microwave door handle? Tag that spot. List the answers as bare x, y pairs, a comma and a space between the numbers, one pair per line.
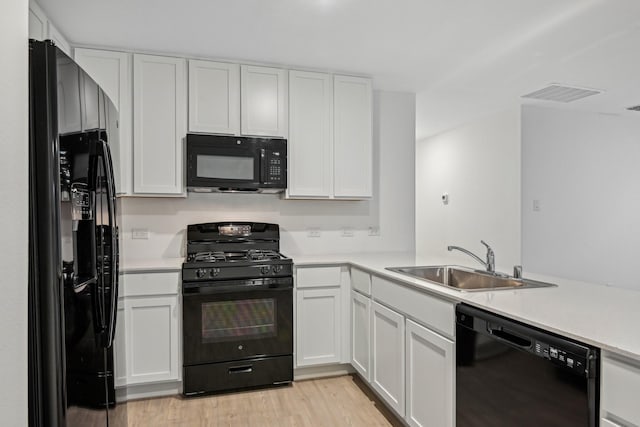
114, 253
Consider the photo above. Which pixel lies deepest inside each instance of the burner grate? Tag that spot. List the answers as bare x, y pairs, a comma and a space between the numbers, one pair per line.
262, 255
210, 257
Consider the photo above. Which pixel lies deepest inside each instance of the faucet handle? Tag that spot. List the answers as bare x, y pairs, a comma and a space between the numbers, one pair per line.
517, 272
487, 245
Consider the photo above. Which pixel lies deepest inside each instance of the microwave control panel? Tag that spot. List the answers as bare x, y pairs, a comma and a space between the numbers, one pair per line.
275, 166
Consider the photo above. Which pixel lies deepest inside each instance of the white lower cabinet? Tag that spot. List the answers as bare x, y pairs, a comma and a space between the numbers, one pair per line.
148, 335
318, 326
430, 365
620, 388
360, 343
152, 345
388, 357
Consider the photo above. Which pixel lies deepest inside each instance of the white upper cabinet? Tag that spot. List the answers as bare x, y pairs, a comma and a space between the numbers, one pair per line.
160, 117
40, 28
37, 22
112, 71
353, 151
214, 97
310, 143
330, 136
263, 101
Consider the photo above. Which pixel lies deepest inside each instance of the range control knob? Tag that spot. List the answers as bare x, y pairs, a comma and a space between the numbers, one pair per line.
200, 273
265, 269
277, 268
214, 272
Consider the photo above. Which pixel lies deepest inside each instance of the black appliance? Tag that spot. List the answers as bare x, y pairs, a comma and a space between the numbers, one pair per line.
217, 163
237, 295
73, 246
512, 374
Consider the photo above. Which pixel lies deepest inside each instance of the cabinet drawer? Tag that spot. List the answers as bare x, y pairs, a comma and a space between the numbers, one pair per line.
361, 281
141, 284
310, 277
433, 312
620, 389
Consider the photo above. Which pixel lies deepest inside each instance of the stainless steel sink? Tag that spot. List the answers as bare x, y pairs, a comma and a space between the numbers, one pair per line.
463, 279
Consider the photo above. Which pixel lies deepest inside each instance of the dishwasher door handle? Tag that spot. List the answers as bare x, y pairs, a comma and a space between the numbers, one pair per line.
502, 334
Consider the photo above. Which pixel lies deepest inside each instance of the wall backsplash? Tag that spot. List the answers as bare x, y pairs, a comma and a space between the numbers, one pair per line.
391, 210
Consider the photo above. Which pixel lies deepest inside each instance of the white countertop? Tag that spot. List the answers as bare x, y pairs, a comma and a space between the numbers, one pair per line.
606, 317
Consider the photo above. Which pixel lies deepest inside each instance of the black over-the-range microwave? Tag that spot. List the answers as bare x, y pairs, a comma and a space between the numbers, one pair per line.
218, 163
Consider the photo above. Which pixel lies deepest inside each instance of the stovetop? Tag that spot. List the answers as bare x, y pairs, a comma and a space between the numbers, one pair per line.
234, 250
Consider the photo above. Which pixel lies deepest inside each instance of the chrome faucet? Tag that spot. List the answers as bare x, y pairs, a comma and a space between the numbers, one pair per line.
490, 264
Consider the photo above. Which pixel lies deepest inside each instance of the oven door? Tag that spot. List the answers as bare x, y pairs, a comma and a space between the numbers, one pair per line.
233, 320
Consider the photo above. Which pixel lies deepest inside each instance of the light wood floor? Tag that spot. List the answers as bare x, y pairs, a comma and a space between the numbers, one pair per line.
337, 401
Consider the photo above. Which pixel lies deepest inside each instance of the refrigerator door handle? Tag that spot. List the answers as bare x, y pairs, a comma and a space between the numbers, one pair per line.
114, 255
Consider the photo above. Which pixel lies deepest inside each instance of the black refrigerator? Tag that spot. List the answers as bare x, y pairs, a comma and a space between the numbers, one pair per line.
73, 245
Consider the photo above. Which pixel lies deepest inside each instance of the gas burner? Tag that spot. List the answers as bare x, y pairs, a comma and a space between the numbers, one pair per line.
209, 257
262, 255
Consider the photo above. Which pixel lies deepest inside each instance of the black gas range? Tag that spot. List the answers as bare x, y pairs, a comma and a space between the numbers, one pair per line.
237, 308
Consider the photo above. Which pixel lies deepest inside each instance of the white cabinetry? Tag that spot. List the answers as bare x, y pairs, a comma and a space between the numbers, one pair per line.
112, 71
318, 326
264, 101
430, 363
214, 97
310, 143
353, 151
318, 316
41, 28
160, 117
387, 373
360, 334
620, 388
149, 339
330, 138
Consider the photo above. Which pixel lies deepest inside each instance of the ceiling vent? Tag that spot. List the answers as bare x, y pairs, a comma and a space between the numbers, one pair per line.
634, 108
561, 93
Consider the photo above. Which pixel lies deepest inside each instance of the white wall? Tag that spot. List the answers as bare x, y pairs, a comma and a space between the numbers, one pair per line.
584, 168
391, 209
478, 165
14, 212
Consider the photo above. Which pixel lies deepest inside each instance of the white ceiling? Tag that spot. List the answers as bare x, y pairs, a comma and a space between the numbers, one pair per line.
461, 57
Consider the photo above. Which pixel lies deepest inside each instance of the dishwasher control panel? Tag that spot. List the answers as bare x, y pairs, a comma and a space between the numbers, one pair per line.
559, 356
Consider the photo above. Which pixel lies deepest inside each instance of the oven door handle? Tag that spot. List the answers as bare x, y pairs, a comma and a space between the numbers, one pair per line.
201, 289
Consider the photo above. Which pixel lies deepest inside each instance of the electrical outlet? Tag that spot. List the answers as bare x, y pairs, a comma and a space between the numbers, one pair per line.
374, 231
313, 232
140, 233
347, 232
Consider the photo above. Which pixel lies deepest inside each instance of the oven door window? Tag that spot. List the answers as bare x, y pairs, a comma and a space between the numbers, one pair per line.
224, 167
240, 319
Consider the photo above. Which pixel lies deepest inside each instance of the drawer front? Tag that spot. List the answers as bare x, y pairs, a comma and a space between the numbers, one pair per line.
317, 277
361, 281
432, 312
620, 389
141, 284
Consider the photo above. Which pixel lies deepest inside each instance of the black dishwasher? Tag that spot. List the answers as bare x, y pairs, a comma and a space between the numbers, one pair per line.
512, 374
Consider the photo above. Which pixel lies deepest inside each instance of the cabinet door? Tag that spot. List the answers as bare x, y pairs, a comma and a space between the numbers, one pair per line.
160, 115
387, 373
318, 324
112, 71
120, 347
152, 344
37, 22
264, 101
214, 97
353, 143
620, 388
360, 332
430, 369
310, 134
